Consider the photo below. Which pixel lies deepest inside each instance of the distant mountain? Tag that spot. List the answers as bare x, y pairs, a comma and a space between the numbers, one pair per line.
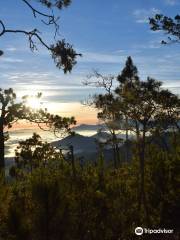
102, 134
84, 143
87, 147
89, 127
81, 144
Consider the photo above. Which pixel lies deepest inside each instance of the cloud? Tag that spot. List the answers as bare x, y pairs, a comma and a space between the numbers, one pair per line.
120, 51
153, 44
142, 15
11, 49
172, 2
93, 57
11, 60
38, 80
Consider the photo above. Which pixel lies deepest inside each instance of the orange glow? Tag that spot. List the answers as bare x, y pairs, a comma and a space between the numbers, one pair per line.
81, 113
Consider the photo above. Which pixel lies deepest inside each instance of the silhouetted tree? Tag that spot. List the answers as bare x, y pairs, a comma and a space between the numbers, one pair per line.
50, 203
63, 53
11, 112
127, 80
146, 103
107, 106
170, 26
33, 153
110, 114
143, 106
129, 74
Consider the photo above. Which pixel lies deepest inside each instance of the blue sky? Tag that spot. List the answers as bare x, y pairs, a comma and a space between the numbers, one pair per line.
105, 32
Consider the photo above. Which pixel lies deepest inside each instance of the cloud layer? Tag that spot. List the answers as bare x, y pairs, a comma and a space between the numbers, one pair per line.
143, 15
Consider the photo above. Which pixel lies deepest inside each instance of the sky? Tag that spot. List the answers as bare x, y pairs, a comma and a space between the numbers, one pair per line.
105, 32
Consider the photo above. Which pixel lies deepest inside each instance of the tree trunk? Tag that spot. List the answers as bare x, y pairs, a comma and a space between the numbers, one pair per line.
2, 146
142, 194
115, 149
141, 161
127, 138
117, 153
73, 160
114, 156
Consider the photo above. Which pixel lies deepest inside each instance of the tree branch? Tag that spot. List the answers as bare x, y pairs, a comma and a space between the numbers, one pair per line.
62, 53
3, 28
30, 35
101, 81
51, 18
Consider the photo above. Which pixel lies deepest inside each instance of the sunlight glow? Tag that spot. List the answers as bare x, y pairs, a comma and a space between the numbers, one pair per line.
33, 102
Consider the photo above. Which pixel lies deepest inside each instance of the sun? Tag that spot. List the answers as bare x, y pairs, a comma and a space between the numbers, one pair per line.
33, 102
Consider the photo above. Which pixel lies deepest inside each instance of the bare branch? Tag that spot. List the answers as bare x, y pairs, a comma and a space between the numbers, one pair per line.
30, 34
99, 80
52, 20
3, 28
62, 52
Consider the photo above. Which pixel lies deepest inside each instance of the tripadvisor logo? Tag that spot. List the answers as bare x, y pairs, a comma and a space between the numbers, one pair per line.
140, 231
